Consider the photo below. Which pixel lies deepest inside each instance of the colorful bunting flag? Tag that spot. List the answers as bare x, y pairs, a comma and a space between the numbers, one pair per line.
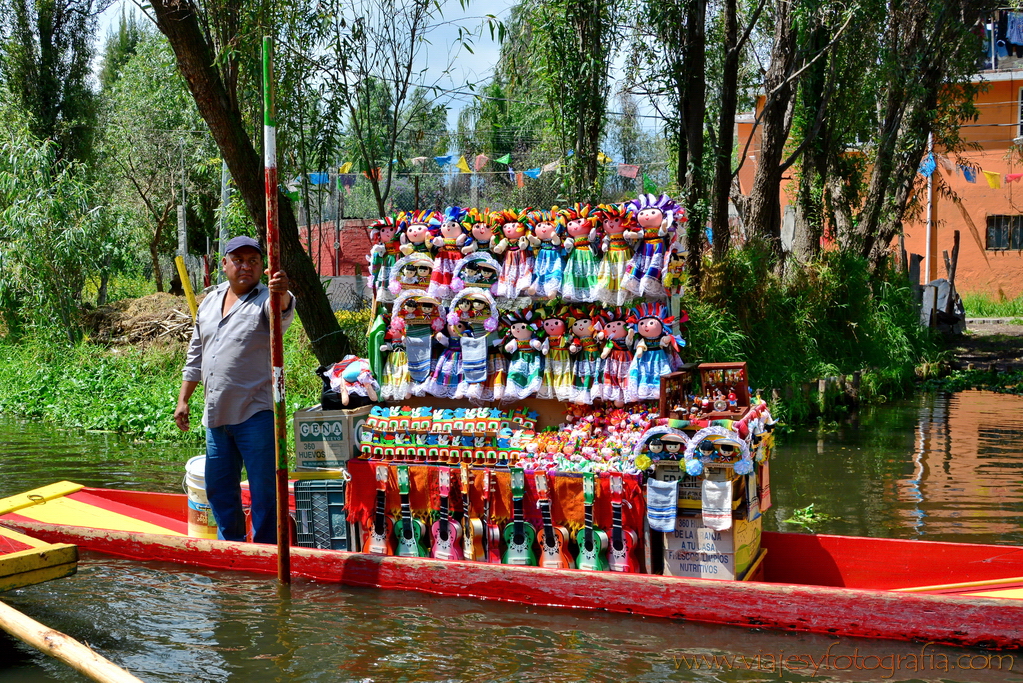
534, 173
518, 180
443, 161
1013, 177
994, 179
945, 163
648, 185
319, 178
511, 173
570, 153
969, 174
506, 159
553, 166
293, 196
480, 162
345, 167
463, 165
628, 170
926, 167
604, 159
372, 174
418, 161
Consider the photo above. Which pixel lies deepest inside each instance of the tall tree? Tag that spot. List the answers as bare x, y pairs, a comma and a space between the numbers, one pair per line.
204, 41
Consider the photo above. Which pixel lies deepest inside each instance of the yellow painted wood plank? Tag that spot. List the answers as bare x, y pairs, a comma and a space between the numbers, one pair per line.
1010, 593
76, 513
38, 496
28, 560
22, 538
37, 576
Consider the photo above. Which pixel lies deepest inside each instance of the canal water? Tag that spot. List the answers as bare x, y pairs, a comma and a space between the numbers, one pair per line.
938, 467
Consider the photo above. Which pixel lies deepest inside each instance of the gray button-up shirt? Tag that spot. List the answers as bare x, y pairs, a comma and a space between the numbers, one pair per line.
230, 355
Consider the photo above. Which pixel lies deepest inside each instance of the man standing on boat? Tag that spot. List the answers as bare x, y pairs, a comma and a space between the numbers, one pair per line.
230, 354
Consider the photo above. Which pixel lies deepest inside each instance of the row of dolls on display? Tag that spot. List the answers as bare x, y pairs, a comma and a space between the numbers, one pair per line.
570, 353
610, 253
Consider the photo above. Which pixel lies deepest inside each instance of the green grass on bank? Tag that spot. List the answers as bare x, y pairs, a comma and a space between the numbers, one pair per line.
979, 305
1010, 382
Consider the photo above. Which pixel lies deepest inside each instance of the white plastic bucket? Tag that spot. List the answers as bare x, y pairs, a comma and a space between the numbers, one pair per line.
201, 523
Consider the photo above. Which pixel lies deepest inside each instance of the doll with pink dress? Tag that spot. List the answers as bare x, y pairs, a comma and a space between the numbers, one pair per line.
447, 239
579, 280
656, 219
516, 247
615, 221
615, 357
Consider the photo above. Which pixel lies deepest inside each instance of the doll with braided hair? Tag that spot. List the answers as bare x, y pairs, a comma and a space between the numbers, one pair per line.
581, 265
616, 222
516, 246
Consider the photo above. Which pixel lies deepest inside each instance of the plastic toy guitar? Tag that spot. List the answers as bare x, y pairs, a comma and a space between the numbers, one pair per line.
492, 533
409, 531
473, 536
519, 535
379, 540
553, 539
621, 556
592, 542
447, 533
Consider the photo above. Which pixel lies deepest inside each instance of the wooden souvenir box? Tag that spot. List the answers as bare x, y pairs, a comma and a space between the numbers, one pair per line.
725, 377
675, 390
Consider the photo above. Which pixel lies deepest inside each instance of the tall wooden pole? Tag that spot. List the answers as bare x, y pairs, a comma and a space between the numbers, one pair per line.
276, 333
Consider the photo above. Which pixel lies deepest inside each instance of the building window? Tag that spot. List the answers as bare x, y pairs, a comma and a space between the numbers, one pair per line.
1004, 232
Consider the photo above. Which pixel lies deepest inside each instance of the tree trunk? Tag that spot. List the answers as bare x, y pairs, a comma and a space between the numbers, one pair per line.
154, 248
178, 20
725, 133
694, 109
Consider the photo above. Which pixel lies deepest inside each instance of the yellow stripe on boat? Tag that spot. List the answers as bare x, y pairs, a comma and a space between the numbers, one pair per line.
22, 538
75, 513
38, 496
1010, 593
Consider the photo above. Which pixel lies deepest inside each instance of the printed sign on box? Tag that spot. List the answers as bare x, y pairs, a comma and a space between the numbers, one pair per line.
327, 438
695, 551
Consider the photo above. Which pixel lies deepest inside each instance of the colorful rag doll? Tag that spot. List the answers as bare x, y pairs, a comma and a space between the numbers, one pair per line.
656, 352
384, 253
557, 371
483, 365
516, 245
615, 357
656, 218
580, 275
525, 363
411, 272
351, 377
395, 382
615, 220
549, 264
446, 380
477, 270
416, 237
423, 317
481, 232
448, 239
584, 346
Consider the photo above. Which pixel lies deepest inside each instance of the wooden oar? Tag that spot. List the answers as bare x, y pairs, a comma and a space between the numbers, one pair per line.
65, 648
276, 333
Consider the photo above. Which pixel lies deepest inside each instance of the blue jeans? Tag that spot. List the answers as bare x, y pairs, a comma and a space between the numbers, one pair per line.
229, 447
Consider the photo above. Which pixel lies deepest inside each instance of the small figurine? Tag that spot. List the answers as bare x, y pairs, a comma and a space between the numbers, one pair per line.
733, 400
448, 239
411, 272
557, 373
673, 446
615, 220
585, 384
517, 247
478, 269
580, 274
423, 317
656, 218
549, 264
656, 351
483, 364
416, 237
525, 364
615, 357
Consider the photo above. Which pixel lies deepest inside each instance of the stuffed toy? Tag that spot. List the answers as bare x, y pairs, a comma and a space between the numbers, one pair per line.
549, 263
350, 382
477, 270
483, 364
480, 231
586, 351
516, 246
448, 239
423, 316
525, 363
384, 233
656, 352
615, 357
395, 382
416, 237
446, 381
615, 222
580, 274
656, 219
557, 372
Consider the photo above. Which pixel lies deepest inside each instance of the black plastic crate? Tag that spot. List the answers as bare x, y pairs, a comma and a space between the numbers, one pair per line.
320, 514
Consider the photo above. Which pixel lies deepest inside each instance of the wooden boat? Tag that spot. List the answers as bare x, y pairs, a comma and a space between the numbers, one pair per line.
942, 593
25, 561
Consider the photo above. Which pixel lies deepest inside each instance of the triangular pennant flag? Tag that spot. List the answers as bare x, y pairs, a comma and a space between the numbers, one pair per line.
926, 166
463, 165
419, 160
480, 162
372, 174
648, 185
345, 167
604, 159
293, 196
945, 163
570, 153
443, 161
1013, 177
994, 179
969, 174
534, 173
518, 180
319, 178
553, 166
628, 170
506, 159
